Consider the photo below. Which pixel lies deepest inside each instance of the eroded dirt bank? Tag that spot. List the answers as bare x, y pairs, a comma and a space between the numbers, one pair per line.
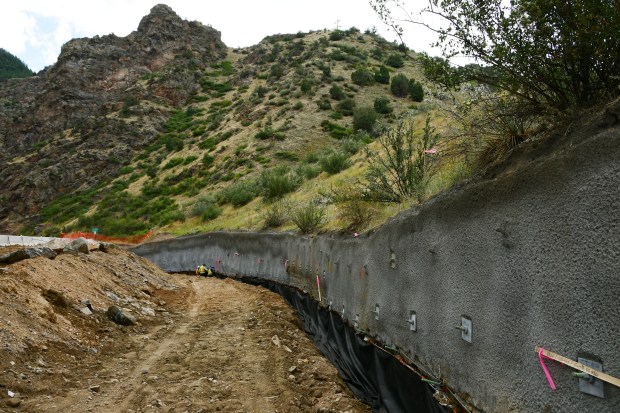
199, 345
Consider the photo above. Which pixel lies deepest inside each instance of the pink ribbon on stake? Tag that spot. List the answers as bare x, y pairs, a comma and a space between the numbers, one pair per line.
542, 364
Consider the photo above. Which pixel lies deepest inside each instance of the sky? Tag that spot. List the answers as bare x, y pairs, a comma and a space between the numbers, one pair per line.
35, 30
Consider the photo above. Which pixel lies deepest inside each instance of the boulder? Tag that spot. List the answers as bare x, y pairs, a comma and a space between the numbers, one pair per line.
119, 317
27, 253
78, 245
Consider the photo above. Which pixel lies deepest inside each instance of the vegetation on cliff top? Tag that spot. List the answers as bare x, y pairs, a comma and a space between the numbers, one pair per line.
12, 67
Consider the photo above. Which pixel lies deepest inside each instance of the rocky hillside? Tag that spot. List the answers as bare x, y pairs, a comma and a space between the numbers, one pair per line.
61, 130
168, 127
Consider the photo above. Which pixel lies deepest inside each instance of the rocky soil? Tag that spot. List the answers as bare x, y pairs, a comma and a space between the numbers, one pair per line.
198, 344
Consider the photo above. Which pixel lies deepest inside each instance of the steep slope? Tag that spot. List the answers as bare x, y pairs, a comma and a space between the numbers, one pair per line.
167, 128
60, 129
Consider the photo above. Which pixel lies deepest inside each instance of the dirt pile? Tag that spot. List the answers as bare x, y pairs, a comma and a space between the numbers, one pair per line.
198, 345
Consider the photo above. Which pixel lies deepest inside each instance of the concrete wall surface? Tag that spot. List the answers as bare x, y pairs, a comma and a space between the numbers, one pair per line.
531, 257
6, 240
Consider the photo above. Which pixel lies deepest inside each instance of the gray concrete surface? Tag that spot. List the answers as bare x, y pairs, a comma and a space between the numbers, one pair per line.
533, 257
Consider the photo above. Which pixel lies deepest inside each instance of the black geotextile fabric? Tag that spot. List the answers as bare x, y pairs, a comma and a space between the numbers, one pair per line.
374, 376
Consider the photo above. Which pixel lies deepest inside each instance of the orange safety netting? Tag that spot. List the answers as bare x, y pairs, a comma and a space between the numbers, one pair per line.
134, 239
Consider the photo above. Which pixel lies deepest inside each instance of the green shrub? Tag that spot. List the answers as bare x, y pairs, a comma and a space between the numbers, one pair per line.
382, 105
395, 60
306, 86
400, 85
298, 106
308, 171
382, 75
336, 131
239, 193
336, 93
334, 162
207, 144
346, 107
364, 118
206, 208
173, 162
416, 92
308, 216
189, 159
324, 104
276, 71
269, 133
277, 214
362, 77
336, 35
276, 183
351, 146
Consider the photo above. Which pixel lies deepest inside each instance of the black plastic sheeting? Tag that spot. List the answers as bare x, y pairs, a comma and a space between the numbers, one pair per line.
374, 376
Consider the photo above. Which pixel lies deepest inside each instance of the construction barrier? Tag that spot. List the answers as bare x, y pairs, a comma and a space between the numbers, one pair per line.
134, 239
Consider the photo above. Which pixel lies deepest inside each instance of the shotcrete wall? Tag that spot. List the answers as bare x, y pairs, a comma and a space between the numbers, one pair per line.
532, 257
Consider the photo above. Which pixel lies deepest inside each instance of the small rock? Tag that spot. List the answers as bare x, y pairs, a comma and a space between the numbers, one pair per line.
14, 402
291, 377
86, 311
95, 388
275, 340
119, 317
287, 349
292, 369
87, 304
147, 311
41, 363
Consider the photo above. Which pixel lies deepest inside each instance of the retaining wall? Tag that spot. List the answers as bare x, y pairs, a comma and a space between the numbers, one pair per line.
6, 240
532, 257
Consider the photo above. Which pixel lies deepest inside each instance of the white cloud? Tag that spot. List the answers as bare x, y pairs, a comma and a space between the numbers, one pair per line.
34, 30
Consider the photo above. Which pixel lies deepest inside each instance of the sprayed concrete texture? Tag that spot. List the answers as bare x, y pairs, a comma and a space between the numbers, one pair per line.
531, 257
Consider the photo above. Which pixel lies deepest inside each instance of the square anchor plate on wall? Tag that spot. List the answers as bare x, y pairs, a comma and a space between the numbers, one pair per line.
466, 328
592, 387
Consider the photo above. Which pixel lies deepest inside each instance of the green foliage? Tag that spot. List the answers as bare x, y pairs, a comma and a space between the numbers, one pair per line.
364, 118
553, 55
400, 85
276, 71
69, 206
306, 86
269, 133
336, 131
382, 105
308, 171
336, 93
308, 216
346, 107
395, 60
334, 162
239, 194
277, 214
353, 209
416, 92
382, 75
402, 169
173, 162
206, 208
277, 182
216, 89
336, 35
182, 120
12, 67
324, 104
362, 77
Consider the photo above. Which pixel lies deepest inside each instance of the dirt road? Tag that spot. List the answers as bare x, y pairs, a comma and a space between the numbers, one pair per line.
213, 346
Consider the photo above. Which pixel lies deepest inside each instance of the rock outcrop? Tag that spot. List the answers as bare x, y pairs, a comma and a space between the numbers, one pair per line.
65, 129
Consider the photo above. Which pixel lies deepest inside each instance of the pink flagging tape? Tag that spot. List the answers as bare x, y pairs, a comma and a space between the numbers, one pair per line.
542, 364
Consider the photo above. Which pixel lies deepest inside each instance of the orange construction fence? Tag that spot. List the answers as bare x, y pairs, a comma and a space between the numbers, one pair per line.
134, 239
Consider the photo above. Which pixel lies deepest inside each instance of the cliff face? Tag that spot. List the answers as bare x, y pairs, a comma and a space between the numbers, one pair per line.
73, 124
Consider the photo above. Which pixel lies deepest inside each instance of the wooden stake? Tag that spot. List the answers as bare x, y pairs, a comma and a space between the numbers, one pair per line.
581, 367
